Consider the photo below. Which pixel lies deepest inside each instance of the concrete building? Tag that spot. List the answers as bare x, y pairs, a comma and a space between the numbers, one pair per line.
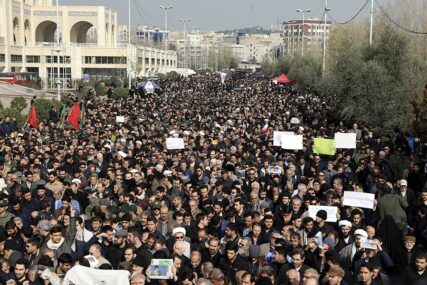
312, 30
89, 43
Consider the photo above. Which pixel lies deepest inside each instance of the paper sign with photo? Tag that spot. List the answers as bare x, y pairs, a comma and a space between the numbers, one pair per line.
161, 269
359, 199
292, 142
345, 140
277, 137
175, 143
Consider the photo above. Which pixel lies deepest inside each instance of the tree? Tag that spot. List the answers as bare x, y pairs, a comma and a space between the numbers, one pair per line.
19, 103
43, 106
12, 113
120, 93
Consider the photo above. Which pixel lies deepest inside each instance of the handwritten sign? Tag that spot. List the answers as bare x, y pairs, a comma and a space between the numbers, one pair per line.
359, 199
175, 143
292, 142
331, 210
277, 137
345, 140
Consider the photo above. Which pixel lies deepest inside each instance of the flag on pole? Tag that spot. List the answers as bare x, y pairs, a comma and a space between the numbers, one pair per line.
32, 120
74, 116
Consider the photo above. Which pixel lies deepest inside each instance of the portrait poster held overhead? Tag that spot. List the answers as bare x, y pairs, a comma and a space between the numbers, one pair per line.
345, 140
175, 143
161, 269
331, 210
359, 199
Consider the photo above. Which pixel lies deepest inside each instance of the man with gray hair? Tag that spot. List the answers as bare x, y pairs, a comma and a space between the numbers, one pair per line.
204, 281
206, 269
293, 277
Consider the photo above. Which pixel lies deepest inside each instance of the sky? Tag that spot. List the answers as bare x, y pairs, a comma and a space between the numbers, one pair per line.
216, 15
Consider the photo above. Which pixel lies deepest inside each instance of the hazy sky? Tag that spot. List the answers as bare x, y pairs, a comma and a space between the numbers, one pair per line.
214, 15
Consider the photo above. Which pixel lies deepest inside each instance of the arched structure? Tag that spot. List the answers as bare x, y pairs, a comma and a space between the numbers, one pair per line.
45, 32
16, 31
79, 32
27, 32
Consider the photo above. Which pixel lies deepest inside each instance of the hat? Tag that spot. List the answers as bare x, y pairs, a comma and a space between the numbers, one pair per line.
11, 244
156, 205
179, 230
138, 142
322, 214
142, 259
410, 238
254, 250
104, 202
121, 233
335, 270
167, 172
403, 182
361, 232
76, 180
44, 225
3, 203
344, 223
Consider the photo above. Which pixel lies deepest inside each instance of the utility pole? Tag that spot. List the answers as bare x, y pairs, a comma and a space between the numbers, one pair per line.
324, 37
129, 52
166, 8
303, 27
371, 25
58, 82
185, 40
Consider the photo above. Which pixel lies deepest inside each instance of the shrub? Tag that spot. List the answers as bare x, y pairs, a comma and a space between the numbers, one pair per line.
13, 113
19, 103
43, 106
120, 93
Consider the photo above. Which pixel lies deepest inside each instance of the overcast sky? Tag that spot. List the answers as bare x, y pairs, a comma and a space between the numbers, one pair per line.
214, 15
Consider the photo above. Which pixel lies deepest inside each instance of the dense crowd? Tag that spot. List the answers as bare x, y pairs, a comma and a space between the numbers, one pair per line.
229, 208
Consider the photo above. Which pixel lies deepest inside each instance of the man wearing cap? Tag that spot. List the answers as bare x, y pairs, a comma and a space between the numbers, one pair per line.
349, 252
345, 237
115, 253
408, 195
321, 217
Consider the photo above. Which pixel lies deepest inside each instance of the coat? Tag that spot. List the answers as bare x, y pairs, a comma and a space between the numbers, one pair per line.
393, 205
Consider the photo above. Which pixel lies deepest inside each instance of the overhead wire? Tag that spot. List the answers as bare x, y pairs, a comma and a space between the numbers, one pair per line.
396, 23
352, 18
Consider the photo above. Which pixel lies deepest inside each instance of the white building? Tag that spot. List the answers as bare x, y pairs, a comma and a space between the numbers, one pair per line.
88, 42
312, 30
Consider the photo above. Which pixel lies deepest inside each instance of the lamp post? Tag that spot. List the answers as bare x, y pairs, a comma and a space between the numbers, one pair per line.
324, 37
129, 51
371, 24
303, 27
166, 8
57, 46
185, 21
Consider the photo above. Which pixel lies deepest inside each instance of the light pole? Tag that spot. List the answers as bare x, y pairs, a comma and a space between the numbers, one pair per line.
324, 37
185, 21
371, 25
57, 46
303, 27
129, 51
166, 8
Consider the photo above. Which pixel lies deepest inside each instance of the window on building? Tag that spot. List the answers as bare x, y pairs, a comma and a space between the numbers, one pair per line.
153, 61
147, 60
15, 58
33, 59
2, 58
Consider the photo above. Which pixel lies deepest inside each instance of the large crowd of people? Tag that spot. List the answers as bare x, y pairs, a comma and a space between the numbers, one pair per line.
228, 208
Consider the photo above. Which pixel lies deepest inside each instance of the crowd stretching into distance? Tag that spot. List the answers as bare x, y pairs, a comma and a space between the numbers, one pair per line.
229, 208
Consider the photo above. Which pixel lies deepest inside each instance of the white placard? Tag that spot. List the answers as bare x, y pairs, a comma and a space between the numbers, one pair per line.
277, 137
345, 140
292, 142
175, 143
331, 210
120, 119
359, 199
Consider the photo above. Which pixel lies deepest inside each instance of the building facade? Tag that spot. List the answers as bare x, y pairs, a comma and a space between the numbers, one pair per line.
88, 43
309, 32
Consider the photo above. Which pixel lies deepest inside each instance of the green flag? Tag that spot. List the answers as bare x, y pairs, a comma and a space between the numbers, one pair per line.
324, 146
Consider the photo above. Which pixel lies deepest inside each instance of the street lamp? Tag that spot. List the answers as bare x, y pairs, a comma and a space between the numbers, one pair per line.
185, 21
324, 37
303, 26
57, 46
166, 8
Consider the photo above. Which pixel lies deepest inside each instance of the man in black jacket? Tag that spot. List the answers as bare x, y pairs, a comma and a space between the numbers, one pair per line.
233, 262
